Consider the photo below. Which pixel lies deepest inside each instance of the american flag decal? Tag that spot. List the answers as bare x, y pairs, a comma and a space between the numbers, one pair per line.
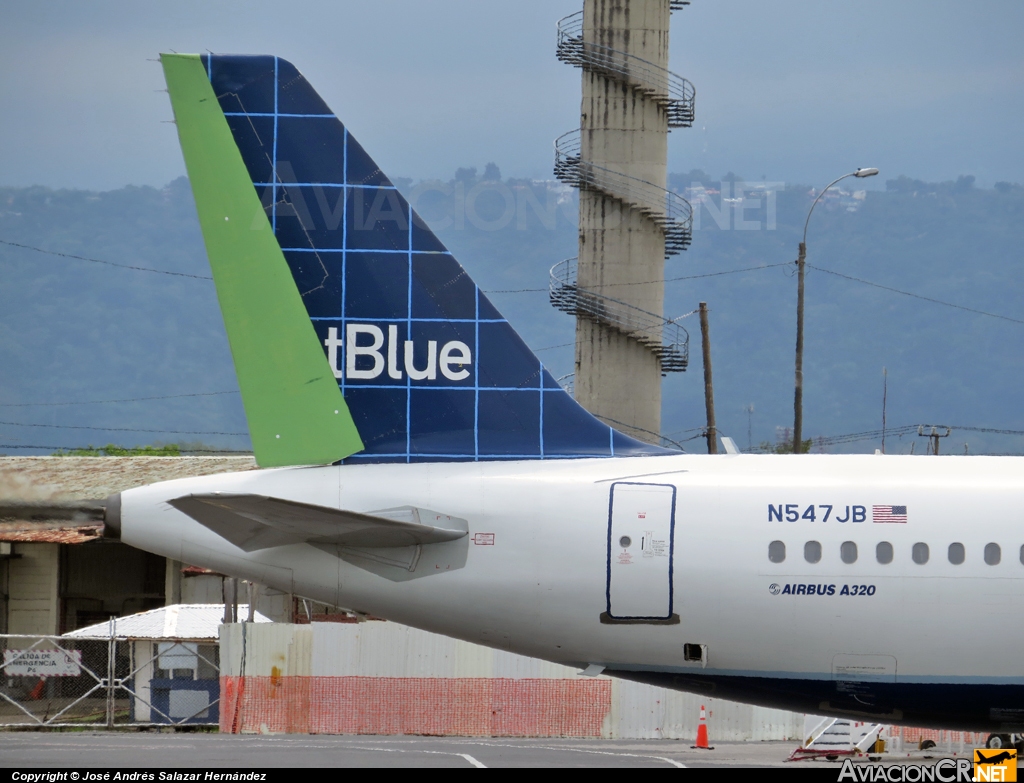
889, 513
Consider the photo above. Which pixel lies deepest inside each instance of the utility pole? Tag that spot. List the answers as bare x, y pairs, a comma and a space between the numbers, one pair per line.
709, 393
798, 395
750, 426
885, 397
933, 436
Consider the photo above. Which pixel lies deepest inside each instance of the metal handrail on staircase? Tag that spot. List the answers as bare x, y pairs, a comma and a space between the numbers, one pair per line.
833, 737
665, 338
672, 92
669, 210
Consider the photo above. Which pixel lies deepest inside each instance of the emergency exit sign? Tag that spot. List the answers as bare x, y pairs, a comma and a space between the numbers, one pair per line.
42, 663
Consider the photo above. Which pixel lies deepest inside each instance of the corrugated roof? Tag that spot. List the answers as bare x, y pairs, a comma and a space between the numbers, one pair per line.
48, 534
85, 478
74, 478
195, 622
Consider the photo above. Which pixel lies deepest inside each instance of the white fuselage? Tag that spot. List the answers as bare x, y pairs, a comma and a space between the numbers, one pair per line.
541, 565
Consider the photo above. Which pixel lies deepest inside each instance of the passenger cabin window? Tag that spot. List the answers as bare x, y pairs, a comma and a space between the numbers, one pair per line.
920, 553
776, 551
993, 554
883, 552
956, 554
848, 552
812, 551
1022, 554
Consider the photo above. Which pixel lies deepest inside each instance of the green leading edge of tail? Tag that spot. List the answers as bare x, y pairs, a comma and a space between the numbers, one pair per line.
295, 410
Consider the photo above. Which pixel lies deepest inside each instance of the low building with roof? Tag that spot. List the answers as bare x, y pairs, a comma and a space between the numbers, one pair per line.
173, 660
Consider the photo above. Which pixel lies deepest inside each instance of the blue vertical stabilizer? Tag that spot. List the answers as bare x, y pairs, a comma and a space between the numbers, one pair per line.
428, 367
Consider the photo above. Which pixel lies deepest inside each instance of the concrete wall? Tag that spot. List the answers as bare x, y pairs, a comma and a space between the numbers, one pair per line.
33, 605
384, 678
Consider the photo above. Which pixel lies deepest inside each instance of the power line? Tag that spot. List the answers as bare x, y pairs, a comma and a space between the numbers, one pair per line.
854, 437
829, 440
101, 261
709, 274
498, 291
916, 296
542, 290
988, 429
101, 402
650, 282
785, 263
119, 429
608, 420
699, 430
517, 291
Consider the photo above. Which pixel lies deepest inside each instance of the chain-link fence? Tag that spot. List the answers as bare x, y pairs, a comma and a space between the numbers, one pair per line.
53, 681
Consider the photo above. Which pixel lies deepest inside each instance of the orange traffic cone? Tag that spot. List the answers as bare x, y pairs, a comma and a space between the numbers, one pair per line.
702, 732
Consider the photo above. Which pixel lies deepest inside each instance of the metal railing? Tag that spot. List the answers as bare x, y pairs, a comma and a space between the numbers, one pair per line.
665, 338
670, 211
106, 682
672, 92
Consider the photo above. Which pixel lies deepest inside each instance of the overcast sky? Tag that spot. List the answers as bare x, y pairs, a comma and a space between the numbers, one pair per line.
790, 90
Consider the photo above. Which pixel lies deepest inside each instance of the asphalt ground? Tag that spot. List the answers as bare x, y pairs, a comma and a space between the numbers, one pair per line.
153, 750
76, 753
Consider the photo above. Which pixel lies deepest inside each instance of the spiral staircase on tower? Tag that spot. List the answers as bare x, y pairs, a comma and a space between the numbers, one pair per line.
665, 338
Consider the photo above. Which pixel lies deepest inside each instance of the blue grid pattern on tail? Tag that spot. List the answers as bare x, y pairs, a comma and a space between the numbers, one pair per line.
429, 368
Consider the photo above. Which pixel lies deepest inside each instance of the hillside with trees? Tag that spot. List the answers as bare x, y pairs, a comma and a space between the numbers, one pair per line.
80, 331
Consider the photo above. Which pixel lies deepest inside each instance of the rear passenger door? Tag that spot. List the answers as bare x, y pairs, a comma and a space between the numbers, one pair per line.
641, 541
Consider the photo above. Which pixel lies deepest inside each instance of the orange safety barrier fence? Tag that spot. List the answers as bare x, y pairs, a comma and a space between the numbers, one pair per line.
479, 707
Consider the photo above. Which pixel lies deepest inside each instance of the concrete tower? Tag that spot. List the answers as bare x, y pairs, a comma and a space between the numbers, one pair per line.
629, 222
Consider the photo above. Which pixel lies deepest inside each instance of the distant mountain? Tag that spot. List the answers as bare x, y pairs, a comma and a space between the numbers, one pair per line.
74, 330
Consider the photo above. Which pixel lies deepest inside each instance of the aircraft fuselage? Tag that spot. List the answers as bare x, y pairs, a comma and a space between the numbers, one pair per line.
818, 583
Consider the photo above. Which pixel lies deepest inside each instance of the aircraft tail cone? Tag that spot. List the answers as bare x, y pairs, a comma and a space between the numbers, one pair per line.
702, 732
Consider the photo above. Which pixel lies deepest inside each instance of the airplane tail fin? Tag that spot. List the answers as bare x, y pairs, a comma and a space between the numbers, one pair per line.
355, 334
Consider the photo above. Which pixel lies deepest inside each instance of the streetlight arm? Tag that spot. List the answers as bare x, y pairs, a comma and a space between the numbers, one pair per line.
833, 182
798, 390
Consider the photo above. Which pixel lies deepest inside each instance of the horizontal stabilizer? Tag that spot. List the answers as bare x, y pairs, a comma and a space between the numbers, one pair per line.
253, 522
